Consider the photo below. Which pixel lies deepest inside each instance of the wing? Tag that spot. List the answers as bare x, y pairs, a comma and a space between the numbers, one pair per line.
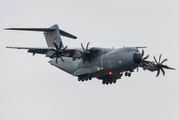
34, 50
70, 52
75, 52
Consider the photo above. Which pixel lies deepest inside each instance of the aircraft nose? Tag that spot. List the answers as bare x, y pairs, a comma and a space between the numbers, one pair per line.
137, 58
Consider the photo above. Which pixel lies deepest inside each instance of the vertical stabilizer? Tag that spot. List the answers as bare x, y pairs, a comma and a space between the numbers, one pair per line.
53, 36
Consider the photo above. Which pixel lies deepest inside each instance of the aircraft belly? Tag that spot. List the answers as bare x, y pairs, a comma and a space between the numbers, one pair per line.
68, 66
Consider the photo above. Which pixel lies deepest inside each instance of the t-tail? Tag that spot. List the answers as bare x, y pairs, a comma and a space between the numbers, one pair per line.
52, 34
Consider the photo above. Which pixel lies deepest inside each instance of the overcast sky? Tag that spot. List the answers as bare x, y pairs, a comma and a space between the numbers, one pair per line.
32, 89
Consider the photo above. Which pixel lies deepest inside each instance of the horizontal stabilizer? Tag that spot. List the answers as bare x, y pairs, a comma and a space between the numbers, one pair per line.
32, 29
63, 33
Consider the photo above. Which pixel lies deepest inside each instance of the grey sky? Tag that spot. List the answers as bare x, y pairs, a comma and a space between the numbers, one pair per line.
30, 88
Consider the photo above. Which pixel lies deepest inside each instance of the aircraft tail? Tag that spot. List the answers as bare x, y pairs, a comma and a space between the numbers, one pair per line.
52, 34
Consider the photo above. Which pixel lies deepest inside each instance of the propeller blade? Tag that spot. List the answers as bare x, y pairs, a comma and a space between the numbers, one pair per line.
56, 60
65, 47
171, 68
87, 46
142, 52
163, 71
155, 60
62, 59
55, 45
164, 61
160, 57
137, 69
54, 55
158, 72
146, 57
60, 46
166, 67
82, 47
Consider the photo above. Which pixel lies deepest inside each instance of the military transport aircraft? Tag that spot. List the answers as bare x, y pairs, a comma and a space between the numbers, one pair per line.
86, 63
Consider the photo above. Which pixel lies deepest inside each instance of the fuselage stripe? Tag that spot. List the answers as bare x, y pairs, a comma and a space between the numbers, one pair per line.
102, 62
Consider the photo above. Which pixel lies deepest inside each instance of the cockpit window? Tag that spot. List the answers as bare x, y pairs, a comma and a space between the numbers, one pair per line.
132, 50
129, 50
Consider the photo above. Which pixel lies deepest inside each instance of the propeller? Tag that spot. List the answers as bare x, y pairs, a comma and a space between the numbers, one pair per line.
86, 53
58, 51
143, 61
159, 65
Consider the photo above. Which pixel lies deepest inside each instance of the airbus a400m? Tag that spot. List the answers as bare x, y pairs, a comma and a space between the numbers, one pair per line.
86, 63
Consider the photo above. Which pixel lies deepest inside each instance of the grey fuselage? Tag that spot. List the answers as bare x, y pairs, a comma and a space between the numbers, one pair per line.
113, 62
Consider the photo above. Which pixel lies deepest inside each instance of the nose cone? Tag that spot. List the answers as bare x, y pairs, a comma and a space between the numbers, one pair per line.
137, 58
